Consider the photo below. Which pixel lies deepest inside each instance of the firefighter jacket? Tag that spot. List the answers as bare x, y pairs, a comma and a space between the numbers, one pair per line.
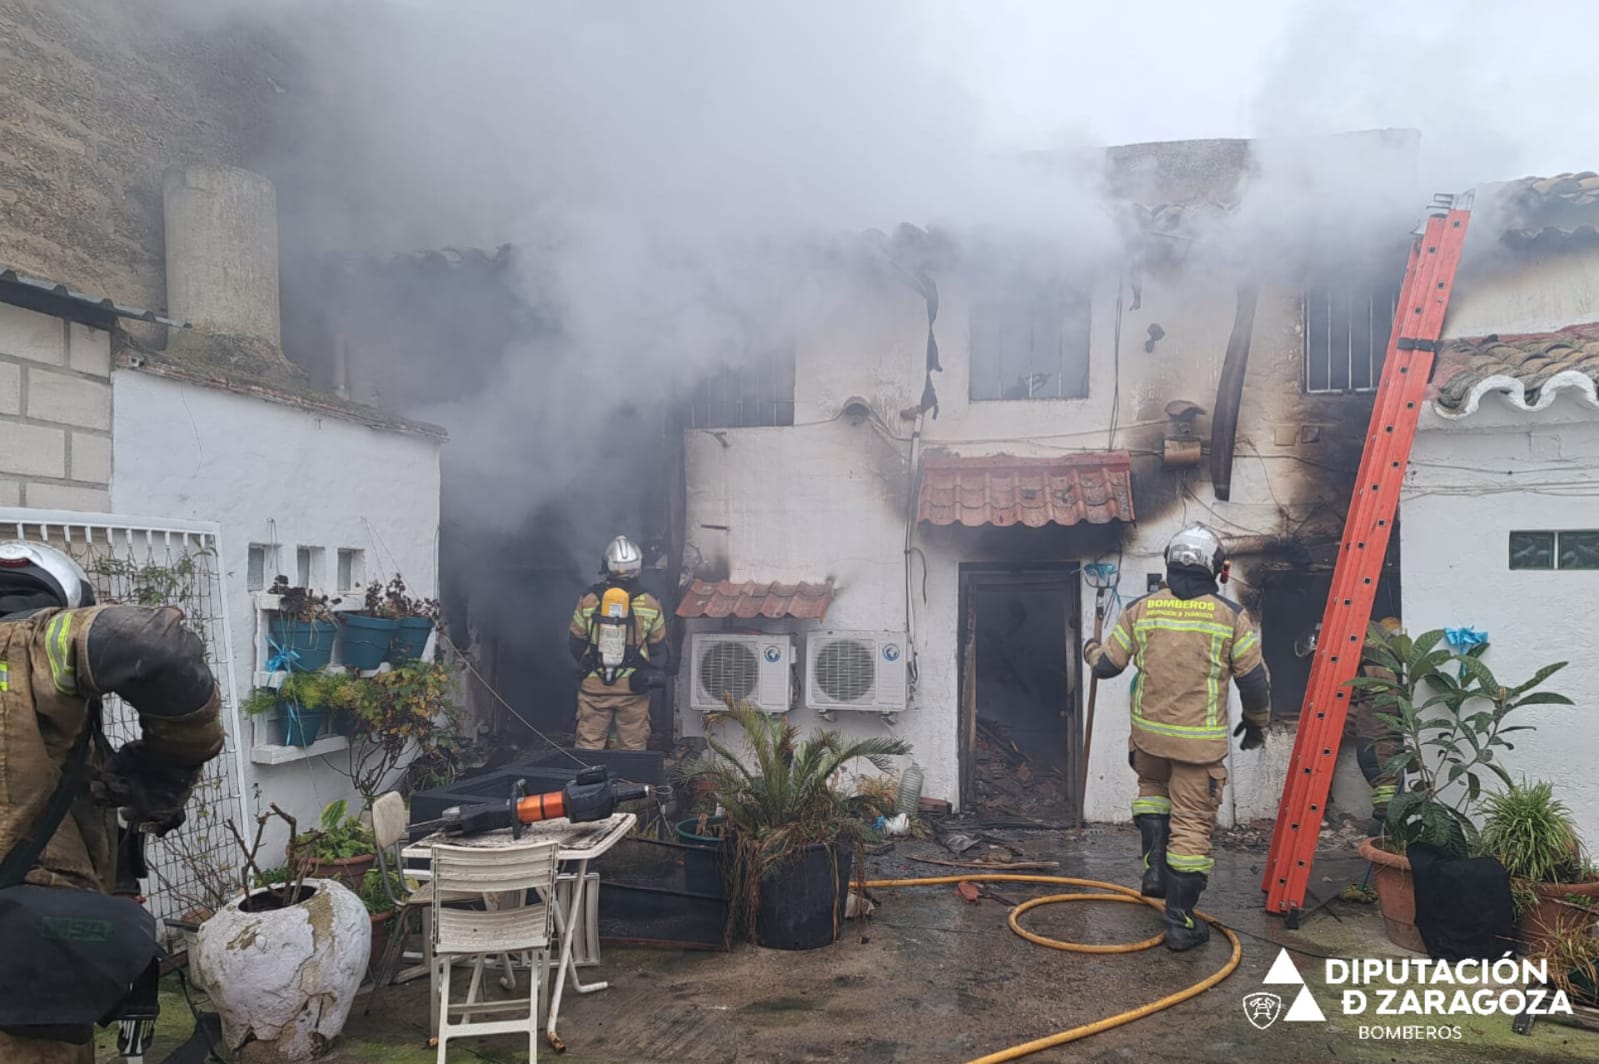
54, 664
1185, 651
646, 634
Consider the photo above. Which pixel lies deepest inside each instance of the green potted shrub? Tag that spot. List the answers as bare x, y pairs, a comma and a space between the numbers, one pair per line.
403, 715
1532, 834
793, 835
341, 848
300, 703
302, 631
1450, 715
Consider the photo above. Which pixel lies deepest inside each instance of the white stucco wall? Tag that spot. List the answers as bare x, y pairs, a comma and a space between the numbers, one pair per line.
1530, 290
827, 498
1469, 485
272, 473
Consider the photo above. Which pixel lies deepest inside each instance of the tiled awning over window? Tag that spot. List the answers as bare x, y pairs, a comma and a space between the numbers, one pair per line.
748, 600
1074, 489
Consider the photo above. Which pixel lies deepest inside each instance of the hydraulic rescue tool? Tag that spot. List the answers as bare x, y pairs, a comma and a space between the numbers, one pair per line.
592, 795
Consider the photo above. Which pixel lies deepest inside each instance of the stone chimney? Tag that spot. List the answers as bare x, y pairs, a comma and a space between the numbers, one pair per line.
222, 256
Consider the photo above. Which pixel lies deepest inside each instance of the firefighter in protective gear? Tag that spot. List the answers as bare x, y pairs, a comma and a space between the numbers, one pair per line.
618, 638
1375, 741
1185, 640
58, 654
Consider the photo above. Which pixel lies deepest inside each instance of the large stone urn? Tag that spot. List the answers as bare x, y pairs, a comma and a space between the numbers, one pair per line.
284, 978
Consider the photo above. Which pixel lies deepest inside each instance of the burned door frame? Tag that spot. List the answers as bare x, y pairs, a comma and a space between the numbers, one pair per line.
974, 577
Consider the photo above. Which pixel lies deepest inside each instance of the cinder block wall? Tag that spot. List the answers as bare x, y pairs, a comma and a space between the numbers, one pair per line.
55, 413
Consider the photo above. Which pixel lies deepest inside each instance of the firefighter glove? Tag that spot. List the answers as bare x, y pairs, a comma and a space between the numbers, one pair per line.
151, 788
1091, 650
1254, 736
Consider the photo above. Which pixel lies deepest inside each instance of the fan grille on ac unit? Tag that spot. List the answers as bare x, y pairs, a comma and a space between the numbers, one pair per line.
729, 669
845, 670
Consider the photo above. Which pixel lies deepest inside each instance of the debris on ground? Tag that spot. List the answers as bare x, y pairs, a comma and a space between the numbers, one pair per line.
958, 843
857, 907
1012, 791
992, 866
1248, 835
968, 892
1357, 893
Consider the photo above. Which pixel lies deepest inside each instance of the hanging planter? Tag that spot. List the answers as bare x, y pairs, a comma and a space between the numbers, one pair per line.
411, 639
283, 976
303, 646
368, 640
300, 726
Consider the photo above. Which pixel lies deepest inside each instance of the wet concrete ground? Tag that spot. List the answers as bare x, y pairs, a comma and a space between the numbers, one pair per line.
930, 978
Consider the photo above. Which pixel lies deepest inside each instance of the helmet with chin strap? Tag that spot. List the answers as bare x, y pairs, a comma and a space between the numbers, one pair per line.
34, 576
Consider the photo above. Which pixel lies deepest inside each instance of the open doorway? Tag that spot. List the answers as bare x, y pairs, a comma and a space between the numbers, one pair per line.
1020, 694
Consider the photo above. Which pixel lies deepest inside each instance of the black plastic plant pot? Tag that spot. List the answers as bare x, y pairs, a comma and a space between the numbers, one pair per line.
802, 907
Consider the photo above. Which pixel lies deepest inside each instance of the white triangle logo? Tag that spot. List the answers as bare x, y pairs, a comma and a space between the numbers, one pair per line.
1304, 1009
1283, 971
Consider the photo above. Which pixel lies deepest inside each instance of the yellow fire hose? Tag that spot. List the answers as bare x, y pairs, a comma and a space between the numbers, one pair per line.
1116, 893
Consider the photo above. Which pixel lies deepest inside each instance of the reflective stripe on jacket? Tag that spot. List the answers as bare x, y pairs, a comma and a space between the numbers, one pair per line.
1186, 651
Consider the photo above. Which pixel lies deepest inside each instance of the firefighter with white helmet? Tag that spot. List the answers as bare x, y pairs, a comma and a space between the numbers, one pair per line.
61, 787
618, 638
1185, 640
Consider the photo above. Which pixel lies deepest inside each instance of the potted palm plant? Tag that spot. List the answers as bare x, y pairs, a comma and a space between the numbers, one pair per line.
1450, 714
1556, 890
793, 835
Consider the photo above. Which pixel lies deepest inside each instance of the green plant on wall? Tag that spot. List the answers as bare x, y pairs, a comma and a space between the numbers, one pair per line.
182, 583
406, 713
1451, 715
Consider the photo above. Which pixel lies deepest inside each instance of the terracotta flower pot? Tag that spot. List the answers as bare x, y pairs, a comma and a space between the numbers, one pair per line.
1543, 926
380, 938
346, 870
1396, 895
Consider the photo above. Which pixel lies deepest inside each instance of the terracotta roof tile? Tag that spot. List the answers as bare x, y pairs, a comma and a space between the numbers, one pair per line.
1003, 490
748, 600
1529, 368
1558, 208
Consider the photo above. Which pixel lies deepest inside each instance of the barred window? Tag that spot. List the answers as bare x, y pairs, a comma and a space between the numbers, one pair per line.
1347, 325
1029, 344
757, 392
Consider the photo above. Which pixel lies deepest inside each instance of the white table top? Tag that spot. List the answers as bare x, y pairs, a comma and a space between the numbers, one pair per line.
578, 842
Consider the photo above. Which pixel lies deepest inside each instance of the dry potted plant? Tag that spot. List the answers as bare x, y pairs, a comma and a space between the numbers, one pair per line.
283, 961
1450, 714
794, 834
1533, 835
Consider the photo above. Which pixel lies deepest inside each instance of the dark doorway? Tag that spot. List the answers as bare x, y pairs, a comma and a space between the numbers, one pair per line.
1019, 694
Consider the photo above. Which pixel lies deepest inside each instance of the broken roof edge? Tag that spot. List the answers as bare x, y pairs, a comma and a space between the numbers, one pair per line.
132, 356
57, 300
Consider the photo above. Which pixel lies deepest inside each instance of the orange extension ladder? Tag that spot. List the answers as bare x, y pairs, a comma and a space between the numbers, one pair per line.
1412, 345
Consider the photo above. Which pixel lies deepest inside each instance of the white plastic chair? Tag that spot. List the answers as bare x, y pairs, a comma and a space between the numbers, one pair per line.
462, 871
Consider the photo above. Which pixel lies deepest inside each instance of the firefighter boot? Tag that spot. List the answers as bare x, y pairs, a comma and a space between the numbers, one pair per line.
1184, 930
1155, 830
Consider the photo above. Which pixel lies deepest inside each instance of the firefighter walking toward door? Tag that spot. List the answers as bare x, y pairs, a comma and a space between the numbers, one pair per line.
1185, 640
618, 638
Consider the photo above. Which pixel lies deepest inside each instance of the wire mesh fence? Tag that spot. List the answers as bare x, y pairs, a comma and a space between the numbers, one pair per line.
133, 563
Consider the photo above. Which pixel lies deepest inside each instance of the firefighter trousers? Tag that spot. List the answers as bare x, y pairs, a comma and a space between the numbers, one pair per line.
1190, 794
598, 710
1375, 744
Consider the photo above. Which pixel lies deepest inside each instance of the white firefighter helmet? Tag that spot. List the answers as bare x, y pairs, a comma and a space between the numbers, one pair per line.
623, 559
36, 576
1195, 547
